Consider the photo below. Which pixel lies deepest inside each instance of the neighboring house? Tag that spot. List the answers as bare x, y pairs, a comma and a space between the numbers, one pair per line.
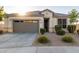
35, 20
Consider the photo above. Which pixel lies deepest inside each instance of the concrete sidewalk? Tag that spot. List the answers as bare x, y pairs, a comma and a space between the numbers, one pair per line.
50, 49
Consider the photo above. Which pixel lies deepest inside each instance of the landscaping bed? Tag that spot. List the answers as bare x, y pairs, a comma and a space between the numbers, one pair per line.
37, 43
56, 40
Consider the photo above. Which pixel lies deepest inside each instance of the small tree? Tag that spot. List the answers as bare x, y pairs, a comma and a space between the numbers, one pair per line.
73, 15
1, 17
1, 13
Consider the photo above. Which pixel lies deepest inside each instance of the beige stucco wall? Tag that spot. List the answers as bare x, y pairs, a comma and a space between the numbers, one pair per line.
55, 21
52, 23
1, 25
8, 25
41, 22
47, 14
77, 28
52, 20
68, 21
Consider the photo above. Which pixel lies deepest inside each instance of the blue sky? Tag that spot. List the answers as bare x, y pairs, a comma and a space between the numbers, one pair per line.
23, 9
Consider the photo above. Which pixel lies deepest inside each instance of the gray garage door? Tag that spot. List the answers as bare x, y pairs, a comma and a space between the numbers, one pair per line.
25, 26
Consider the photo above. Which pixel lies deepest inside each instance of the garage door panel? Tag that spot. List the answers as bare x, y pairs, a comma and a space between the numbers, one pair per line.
25, 27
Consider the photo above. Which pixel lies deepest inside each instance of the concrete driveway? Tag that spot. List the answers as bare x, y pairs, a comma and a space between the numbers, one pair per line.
22, 43
13, 40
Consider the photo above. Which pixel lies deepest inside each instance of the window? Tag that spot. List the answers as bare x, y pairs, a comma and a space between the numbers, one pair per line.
26, 21
16, 20
21, 21
59, 21
62, 22
31, 21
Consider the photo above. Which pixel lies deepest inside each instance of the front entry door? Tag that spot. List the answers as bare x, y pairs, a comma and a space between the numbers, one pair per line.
46, 24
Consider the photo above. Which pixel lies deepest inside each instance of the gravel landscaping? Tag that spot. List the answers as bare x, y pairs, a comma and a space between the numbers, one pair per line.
55, 40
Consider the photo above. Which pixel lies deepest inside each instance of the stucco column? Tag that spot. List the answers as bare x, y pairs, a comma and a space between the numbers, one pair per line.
10, 25
68, 21
50, 25
41, 23
5, 24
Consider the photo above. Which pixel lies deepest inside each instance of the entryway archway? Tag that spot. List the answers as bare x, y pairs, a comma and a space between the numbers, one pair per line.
46, 24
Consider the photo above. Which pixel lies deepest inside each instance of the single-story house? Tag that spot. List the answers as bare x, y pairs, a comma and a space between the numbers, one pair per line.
34, 20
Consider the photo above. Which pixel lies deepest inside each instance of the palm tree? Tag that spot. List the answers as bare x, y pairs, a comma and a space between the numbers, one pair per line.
73, 15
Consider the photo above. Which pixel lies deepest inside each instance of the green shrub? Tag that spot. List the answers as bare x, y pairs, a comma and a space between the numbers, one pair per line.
1, 32
71, 28
42, 31
43, 39
64, 26
78, 31
60, 32
0, 18
57, 27
67, 39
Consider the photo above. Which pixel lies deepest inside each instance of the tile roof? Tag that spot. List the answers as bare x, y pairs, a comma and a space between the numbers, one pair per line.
38, 14
12, 15
34, 14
